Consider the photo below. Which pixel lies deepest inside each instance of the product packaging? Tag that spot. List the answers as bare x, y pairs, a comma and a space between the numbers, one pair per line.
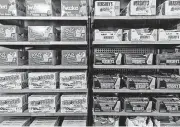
43, 80
74, 103
73, 80
73, 8
74, 122
43, 57
108, 121
16, 103
139, 121
107, 81
45, 122
74, 57
136, 59
13, 80
43, 103
137, 104
168, 35
73, 33
166, 121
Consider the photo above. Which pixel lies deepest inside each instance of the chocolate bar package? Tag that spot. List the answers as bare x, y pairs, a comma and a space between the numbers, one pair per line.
168, 35
106, 104
74, 122
107, 81
73, 80
45, 122
74, 103
73, 33
73, 8
13, 103
74, 57
13, 80
43, 80
43, 57
111, 58
136, 59
12, 8
43, 103
144, 34
107, 8
140, 82
13, 57
108, 121
100, 35
43, 33
137, 104
139, 121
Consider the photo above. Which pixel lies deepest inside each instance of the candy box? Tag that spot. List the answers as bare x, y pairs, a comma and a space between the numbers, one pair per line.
106, 104
137, 104
73, 8
168, 35
74, 121
45, 122
13, 80
108, 121
111, 58
13, 57
43, 103
100, 35
16, 103
73, 33
137, 59
43, 57
74, 57
43, 33
107, 81
12, 8
107, 8
140, 82
139, 121
144, 34
43, 80
74, 103
73, 80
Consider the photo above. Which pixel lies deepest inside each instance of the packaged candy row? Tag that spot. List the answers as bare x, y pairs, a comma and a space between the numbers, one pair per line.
43, 8
67, 103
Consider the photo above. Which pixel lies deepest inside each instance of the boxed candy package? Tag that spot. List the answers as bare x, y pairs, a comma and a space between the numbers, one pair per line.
13, 57
74, 57
16, 103
107, 8
13, 80
74, 122
137, 104
106, 104
43, 80
74, 103
43, 57
12, 8
73, 33
73, 8
45, 122
108, 35
43, 103
137, 59
144, 34
108, 121
139, 121
73, 80
168, 35
43, 33
107, 81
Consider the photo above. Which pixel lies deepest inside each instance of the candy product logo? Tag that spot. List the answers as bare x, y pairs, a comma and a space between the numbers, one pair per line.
42, 77
9, 78
75, 101
105, 3
9, 101
42, 102
71, 8
141, 3
3, 6
75, 77
40, 55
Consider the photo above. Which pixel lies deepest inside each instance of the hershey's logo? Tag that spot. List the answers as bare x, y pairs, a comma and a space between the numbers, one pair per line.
71, 8
75, 77
3, 6
141, 3
105, 3
42, 77
174, 3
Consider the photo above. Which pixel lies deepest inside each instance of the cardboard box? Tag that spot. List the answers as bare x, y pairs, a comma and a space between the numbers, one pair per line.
13, 80
73, 8
73, 80
135, 59
168, 35
43, 57
139, 121
107, 81
43, 103
74, 122
13, 103
74, 103
74, 57
45, 122
107, 8
108, 35
73, 33
43, 33
108, 121
43, 80
12, 8
144, 34
13, 57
